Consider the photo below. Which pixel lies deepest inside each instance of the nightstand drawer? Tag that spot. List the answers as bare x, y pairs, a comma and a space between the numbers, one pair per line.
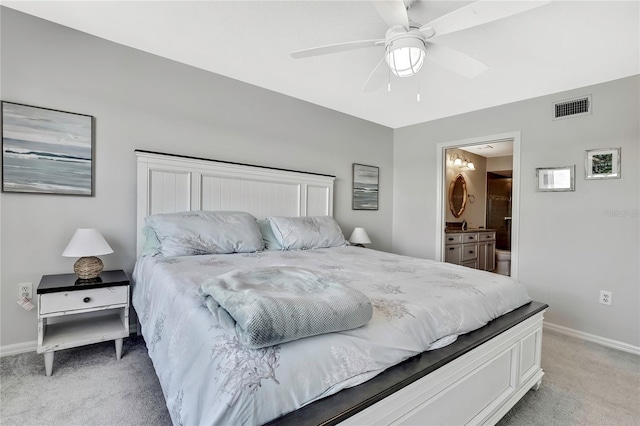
83, 299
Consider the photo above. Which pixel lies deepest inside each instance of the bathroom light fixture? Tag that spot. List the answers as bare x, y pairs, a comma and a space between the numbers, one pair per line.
462, 162
359, 237
457, 161
87, 244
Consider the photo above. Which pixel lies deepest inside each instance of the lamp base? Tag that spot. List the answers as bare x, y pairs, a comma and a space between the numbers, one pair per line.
88, 267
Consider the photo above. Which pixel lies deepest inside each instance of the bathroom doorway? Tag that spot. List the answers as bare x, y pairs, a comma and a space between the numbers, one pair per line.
492, 198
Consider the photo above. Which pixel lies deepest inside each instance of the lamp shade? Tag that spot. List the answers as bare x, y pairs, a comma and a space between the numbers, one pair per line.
359, 236
87, 242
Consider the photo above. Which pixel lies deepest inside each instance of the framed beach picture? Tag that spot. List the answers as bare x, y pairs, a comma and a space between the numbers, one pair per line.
365, 187
602, 164
46, 151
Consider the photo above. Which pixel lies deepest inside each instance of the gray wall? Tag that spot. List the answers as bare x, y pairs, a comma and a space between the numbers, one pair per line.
572, 244
147, 102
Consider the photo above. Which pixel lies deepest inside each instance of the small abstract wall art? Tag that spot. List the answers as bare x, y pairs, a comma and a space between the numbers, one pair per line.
602, 164
365, 187
46, 151
555, 179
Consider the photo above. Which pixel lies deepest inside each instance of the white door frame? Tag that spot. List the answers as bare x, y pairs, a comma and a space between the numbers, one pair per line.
515, 195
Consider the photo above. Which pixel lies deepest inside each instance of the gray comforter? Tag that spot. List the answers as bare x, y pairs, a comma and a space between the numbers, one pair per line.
277, 304
209, 377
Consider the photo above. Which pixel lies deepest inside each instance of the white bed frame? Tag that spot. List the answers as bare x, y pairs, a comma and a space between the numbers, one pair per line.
478, 387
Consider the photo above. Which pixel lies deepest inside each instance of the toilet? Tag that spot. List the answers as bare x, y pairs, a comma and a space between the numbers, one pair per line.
503, 262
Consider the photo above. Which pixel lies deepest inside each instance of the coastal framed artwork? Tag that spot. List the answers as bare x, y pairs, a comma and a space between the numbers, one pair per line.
46, 151
555, 179
602, 163
365, 187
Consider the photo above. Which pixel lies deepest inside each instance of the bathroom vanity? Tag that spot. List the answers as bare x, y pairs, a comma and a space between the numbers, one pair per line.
471, 248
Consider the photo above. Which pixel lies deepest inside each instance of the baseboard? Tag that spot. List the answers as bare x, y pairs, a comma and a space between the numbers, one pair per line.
18, 348
615, 344
21, 348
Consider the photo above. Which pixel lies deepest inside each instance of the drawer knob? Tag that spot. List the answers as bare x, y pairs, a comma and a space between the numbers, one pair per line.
451, 248
86, 300
470, 251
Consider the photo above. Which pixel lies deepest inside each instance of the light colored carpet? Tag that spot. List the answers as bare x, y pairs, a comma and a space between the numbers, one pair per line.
585, 384
88, 387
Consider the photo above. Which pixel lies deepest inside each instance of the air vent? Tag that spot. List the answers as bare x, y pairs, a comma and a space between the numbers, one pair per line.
572, 108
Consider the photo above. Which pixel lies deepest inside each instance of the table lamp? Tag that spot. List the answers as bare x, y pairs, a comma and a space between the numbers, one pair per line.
359, 237
87, 244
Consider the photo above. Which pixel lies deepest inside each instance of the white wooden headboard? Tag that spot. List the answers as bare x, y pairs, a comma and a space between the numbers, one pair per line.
170, 183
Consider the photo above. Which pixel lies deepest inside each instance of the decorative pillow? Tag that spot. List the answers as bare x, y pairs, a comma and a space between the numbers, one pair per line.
270, 241
204, 232
304, 233
151, 242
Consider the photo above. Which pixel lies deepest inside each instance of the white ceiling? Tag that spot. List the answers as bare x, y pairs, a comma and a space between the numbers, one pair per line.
491, 149
560, 46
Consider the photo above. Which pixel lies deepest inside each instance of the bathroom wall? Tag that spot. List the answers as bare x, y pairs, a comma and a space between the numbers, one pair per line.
500, 164
474, 212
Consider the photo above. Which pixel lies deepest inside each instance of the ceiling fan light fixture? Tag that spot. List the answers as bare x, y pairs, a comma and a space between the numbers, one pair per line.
405, 55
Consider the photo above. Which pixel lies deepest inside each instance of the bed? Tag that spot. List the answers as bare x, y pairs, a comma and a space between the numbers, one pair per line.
392, 370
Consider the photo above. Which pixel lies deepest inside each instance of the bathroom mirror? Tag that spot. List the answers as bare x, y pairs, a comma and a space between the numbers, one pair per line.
457, 195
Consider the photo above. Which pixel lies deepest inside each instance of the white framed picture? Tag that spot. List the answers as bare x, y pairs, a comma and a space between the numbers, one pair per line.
551, 179
602, 163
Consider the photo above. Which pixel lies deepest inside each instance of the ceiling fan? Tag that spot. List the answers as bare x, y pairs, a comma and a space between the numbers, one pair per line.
407, 44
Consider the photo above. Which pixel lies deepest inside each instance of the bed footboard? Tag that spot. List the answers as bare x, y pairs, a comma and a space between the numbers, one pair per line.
476, 388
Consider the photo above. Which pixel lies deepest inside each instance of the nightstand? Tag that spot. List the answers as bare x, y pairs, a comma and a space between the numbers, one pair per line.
73, 312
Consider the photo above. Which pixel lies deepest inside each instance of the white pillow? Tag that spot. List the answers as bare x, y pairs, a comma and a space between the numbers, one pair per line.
305, 233
204, 232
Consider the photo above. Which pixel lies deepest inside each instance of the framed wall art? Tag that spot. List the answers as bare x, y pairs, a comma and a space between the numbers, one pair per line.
46, 151
365, 187
602, 164
551, 179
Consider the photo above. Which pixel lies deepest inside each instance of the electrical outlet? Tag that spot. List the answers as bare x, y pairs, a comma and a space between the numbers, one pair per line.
25, 290
605, 297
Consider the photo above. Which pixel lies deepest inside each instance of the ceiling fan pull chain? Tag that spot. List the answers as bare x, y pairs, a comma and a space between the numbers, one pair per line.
418, 96
389, 79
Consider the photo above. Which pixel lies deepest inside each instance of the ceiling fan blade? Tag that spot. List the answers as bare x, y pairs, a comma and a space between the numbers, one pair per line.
376, 78
455, 61
392, 12
334, 48
479, 13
